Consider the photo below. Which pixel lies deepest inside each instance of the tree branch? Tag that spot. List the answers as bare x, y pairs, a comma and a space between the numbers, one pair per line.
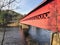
7, 4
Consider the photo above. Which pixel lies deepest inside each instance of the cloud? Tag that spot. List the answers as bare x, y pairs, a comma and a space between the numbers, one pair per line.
24, 6
23, 2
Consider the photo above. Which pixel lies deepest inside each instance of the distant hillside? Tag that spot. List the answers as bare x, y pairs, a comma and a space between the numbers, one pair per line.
9, 16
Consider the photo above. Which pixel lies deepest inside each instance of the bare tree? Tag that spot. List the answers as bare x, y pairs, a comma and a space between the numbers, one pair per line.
12, 4
9, 4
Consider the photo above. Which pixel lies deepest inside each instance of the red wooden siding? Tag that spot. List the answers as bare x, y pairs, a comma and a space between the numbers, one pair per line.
46, 16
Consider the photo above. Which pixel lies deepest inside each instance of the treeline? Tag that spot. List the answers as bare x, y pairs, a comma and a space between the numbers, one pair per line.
8, 16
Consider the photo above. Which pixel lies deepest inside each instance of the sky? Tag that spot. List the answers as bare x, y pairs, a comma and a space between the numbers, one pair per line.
25, 6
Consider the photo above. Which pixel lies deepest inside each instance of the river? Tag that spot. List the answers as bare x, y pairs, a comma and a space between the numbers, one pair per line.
13, 36
42, 36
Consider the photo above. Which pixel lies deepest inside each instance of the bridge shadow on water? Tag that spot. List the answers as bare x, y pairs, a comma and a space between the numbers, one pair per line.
43, 37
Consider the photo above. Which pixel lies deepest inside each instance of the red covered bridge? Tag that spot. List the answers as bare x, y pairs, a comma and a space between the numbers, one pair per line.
46, 15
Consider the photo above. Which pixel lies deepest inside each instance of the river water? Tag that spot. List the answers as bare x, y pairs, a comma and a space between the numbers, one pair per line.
42, 36
13, 36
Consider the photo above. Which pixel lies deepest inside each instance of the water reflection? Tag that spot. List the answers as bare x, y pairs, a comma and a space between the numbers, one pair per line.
13, 36
40, 35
